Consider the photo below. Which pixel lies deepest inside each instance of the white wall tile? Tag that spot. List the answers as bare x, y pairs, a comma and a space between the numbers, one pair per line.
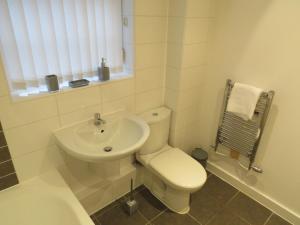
171, 98
188, 138
176, 29
199, 8
77, 99
191, 77
187, 115
122, 185
3, 87
149, 55
150, 29
31, 137
151, 8
3, 83
188, 98
80, 114
174, 55
127, 104
213, 8
188, 28
175, 138
177, 8
186, 78
149, 100
196, 30
101, 196
116, 90
14, 114
185, 138
148, 79
29, 124
194, 55
176, 122
173, 77
35, 163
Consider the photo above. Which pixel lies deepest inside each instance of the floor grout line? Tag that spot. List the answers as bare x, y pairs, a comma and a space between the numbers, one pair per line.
243, 219
9, 174
231, 199
210, 219
194, 219
3, 147
159, 214
249, 196
268, 219
226, 204
141, 214
5, 161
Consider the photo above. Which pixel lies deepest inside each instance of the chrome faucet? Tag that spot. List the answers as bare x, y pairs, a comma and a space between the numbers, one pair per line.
97, 119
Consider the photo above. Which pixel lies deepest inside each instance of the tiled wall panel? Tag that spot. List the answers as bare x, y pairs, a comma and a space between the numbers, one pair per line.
29, 123
188, 27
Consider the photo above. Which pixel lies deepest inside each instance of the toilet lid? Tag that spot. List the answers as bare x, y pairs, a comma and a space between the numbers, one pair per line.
179, 169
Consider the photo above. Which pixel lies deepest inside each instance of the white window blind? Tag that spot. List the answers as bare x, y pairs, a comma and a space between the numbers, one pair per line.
63, 37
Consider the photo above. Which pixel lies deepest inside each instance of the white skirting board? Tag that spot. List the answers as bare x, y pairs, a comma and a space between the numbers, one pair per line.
255, 194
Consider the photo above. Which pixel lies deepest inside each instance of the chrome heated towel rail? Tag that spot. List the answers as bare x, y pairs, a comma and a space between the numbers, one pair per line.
243, 136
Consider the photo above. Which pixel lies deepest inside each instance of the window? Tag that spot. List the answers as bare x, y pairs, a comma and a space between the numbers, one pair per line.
63, 37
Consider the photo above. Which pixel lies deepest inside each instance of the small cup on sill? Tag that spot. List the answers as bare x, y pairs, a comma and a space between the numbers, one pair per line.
52, 83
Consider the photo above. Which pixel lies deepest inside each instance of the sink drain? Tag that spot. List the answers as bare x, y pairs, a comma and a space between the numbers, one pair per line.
107, 149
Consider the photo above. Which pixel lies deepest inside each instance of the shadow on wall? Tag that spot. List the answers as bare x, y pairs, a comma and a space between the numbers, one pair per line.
257, 42
234, 28
221, 68
263, 146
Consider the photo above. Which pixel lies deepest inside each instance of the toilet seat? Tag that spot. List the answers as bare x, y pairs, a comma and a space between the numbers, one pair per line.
178, 169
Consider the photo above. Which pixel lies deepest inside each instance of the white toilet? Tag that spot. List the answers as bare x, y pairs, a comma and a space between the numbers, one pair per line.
170, 174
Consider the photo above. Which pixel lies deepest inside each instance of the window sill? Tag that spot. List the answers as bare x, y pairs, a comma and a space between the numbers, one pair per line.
64, 88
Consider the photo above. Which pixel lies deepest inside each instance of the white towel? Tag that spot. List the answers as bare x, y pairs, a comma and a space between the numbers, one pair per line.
243, 99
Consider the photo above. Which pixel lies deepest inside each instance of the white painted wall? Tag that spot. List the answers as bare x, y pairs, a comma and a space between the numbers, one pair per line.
258, 42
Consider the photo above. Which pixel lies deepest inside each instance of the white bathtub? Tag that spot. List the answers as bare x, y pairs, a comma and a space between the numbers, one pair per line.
44, 200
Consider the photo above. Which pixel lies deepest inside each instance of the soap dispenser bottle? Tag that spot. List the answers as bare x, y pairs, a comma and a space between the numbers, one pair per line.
103, 71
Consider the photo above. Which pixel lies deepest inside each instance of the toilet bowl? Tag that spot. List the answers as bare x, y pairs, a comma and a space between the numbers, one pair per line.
170, 174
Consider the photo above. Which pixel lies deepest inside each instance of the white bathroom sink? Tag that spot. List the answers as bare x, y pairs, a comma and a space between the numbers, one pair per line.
119, 137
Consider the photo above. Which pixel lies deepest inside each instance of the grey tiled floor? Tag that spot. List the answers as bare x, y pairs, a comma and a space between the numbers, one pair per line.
217, 203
